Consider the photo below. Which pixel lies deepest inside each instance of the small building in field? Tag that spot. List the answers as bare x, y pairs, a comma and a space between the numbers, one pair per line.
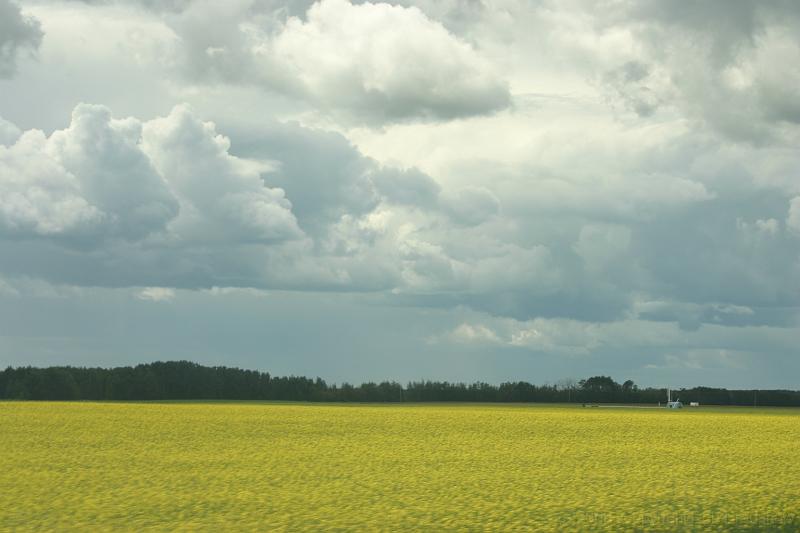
673, 405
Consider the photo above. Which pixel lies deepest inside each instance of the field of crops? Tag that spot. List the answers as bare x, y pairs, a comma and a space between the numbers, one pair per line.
220, 466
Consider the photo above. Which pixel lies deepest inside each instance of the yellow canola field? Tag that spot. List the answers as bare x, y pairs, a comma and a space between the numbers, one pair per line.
262, 466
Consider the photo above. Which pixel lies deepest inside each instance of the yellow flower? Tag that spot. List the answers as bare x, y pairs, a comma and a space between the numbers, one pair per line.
251, 466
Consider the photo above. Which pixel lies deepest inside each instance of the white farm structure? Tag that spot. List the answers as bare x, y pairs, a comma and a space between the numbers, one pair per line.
673, 405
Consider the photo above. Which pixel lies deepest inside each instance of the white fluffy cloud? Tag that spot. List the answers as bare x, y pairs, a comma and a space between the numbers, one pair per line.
383, 62
164, 202
105, 178
38, 195
90, 180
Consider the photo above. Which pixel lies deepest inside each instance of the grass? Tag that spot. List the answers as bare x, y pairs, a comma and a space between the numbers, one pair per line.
223, 466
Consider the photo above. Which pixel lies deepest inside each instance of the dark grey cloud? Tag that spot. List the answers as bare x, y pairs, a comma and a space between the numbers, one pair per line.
629, 83
727, 25
323, 175
408, 187
19, 35
725, 62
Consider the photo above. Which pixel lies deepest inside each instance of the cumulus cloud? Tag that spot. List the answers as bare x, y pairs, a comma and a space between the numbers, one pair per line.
19, 34
115, 175
105, 177
359, 58
222, 196
47, 201
87, 181
164, 202
122, 202
351, 61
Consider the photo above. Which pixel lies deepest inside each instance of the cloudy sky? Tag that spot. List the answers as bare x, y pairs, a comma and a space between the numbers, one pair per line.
446, 189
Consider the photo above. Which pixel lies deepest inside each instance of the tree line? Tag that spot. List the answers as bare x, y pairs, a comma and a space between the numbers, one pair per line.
184, 380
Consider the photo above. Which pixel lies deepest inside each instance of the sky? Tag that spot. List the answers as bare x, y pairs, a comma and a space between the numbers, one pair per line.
423, 189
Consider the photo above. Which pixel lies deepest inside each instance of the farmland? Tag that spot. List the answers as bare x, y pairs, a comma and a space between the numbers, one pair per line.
211, 466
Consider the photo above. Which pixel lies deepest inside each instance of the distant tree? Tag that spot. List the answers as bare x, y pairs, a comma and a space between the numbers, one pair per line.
16, 388
176, 380
600, 388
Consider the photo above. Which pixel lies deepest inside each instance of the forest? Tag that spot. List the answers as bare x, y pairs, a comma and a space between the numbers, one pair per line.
184, 380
